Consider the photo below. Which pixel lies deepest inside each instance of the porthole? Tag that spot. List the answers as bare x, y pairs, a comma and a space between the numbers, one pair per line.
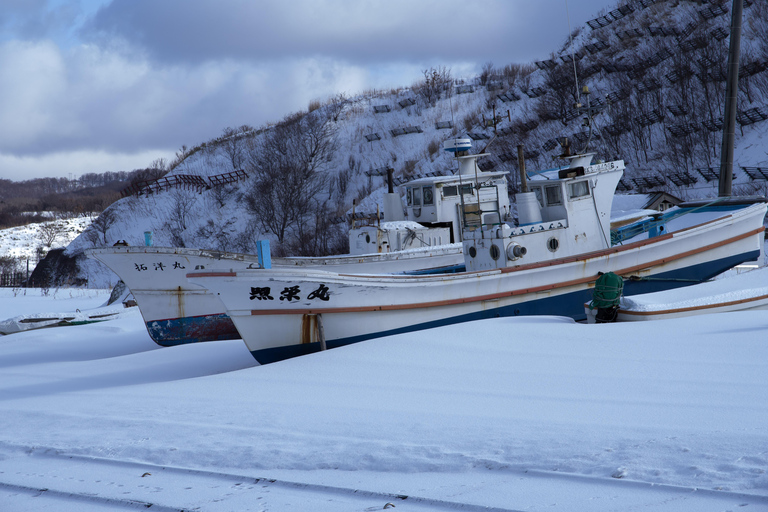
495, 252
367, 238
472, 252
553, 245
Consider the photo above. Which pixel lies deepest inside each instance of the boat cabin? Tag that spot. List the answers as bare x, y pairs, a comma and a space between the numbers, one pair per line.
561, 216
438, 200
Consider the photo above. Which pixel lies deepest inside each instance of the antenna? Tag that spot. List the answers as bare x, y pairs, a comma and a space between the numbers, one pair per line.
590, 111
573, 55
493, 122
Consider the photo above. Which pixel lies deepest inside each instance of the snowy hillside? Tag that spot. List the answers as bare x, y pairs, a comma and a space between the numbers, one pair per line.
654, 69
23, 242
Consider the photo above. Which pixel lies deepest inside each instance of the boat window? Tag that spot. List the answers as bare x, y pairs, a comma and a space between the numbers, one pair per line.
553, 195
578, 189
539, 197
428, 195
416, 197
553, 244
450, 191
466, 189
408, 196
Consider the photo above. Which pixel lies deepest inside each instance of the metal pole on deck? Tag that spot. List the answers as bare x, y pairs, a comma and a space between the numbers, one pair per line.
731, 102
521, 165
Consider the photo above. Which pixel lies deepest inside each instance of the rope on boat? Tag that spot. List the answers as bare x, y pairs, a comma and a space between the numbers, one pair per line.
670, 279
606, 297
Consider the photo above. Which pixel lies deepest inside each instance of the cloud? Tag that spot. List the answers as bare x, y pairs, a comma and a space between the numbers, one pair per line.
134, 77
76, 163
360, 32
64, 103
38, 19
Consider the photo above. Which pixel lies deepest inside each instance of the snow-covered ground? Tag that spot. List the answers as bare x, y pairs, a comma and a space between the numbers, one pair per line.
535, 413
22, 241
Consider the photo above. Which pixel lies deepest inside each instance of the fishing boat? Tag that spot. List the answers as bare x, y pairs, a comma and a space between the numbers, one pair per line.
176, 311
545, 264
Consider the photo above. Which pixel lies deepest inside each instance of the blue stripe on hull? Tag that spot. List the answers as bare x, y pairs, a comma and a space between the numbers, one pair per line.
568, 304
180, 331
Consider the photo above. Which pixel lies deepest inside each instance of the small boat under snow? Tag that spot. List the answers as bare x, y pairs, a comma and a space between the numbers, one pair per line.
547, 264
113, 308
741, 292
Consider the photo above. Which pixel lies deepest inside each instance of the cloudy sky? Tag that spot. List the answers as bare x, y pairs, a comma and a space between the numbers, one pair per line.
111, 85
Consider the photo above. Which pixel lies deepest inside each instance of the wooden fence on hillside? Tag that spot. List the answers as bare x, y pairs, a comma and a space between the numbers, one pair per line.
186, 181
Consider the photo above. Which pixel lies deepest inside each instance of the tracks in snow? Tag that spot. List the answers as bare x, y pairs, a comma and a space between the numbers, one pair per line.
91, 483
139, 486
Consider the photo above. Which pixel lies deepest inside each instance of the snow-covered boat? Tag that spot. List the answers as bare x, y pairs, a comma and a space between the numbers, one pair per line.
545, 265
110, 310
741, 292
178, 312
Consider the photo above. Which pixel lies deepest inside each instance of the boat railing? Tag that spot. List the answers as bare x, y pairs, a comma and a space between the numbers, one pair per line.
656, 224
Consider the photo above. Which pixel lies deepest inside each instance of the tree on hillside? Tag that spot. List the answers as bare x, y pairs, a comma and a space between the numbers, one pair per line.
97, 231
48, 232
288, 167
182, 204
234, 142
436, 84
9, 264
216, 234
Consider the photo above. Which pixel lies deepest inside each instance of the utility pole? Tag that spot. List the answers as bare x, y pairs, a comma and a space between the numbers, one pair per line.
731, 102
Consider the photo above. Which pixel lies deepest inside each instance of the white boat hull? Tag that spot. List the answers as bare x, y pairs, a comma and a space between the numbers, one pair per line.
276, 311
178, 312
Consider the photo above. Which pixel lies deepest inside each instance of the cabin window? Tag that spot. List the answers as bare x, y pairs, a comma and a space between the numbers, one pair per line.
416, 197
450, 191
578, 189
428, 195
408, 196
539, 197
467, 189
553, 195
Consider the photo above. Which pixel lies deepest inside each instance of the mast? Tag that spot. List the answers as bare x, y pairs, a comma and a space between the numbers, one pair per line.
731, 102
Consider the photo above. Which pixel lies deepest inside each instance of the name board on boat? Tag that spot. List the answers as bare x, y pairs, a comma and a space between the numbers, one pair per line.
607, 166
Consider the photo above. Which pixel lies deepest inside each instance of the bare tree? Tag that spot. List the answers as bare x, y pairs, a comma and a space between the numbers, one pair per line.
336, 105
436, 83
182, 204
216, 234
48, 232
487, 73
97, 231
288, 167
9, 264
221, 194
233, 144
